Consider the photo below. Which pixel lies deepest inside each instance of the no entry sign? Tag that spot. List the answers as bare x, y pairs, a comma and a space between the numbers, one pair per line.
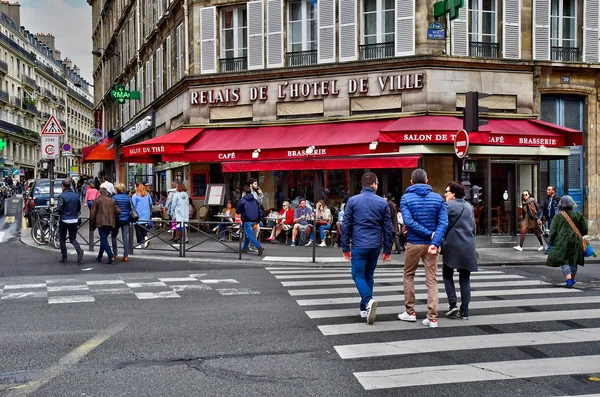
461, 143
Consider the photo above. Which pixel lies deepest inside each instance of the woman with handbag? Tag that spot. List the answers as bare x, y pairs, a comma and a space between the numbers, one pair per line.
90, 195
459, 250
103, 217
181, 212
142, 205
323, 220
124, 203
566, 240
532, 219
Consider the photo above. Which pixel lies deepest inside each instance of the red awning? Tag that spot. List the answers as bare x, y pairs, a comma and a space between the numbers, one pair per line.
171, 143
284, 142
323, 164
98, 152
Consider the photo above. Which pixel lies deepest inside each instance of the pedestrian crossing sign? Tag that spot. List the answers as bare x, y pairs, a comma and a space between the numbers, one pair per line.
52, 127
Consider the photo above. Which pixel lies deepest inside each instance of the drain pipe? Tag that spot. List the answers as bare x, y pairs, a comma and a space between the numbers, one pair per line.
186, 41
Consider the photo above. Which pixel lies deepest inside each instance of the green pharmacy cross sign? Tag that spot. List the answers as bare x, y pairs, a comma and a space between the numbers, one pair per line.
120, 94
2, 144
449, 7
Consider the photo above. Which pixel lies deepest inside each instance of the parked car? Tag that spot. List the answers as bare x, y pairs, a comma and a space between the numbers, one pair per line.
39, 195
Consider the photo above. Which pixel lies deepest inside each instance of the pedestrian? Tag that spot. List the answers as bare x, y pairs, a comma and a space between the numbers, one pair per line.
181, 211
249, 209
426, 219
122, 224
532, 219
107, 184
285, 222
367, 224
143, 206
550, 209
339, 223
395, 227
103, 216
568, 227
256, 191
91, 194
458, 249
170, 193
69, 209
323, 221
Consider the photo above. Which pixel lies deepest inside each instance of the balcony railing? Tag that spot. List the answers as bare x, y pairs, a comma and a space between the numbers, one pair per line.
238, 64
16, 101
62, 123
49, 94
565, 54
28, 81
80, 98
12, 44
31, 108
61, 102
483, 50
46, 115
301, 58
377, 50
4, 97
18, 130
48, 70
3, 67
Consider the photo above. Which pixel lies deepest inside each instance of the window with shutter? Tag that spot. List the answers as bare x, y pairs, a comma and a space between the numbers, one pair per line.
405, 28
256, 35
541, 29
302, 33
208, 42
159, 9
460, 34
234, 39
511, 29
159, 72
274, 33
378, 29
168, 64
326, 31
591, 28
180, 44
482, 22
151, 80
563, 23
348, 31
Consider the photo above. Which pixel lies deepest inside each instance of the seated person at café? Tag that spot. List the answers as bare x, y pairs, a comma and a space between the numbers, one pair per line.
323, 217
302, 214
227, 218
285, 222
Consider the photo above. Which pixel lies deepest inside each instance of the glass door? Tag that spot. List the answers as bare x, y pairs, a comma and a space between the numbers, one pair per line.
503, 197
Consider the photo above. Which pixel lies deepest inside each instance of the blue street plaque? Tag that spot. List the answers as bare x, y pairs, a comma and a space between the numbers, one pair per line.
435, 31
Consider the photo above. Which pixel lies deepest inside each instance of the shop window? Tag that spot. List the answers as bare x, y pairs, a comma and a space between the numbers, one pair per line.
335, 183
199, 182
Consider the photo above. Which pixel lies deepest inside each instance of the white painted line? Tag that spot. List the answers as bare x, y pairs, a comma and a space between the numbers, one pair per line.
492, 319
63, 288
321, 271
105, 282
400, 297
20, 295
419, 346
484, 372
24, 286
238, 291
418, 275
63, 280
157, 295
348, 280
400, 288
286, 268
222, 281
189, 287
71, 299
111, 291
176, 279
198, 275
1, 236
473, 305
146, 284
307, 259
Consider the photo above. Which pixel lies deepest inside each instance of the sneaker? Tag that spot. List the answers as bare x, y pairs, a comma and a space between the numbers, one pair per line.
456, 315
260, 251
463, 316
79, 256
430, 323
146, 242
452, 312
293, 244
244, 251
252, 249
335, 245
541, 248
63, 260
569, 283
322, 244
309, 244
518, 248
363, 314
371, 309
270, 239
407, 317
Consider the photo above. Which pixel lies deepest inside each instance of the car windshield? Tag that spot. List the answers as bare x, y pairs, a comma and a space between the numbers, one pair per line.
43, 187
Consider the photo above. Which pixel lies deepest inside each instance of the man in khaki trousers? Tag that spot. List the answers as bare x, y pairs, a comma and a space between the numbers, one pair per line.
426, 218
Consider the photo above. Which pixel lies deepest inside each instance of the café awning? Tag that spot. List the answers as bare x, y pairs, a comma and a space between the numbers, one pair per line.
98, 152
171, 143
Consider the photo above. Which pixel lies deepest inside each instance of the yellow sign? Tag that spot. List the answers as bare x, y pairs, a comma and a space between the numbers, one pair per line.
9, 219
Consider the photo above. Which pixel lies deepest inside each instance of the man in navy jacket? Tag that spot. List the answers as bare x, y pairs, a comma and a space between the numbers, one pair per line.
367, 223
426, 218
249, 209
69, 208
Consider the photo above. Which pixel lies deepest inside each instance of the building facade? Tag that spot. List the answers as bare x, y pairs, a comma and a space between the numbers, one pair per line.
35, 84
251, 84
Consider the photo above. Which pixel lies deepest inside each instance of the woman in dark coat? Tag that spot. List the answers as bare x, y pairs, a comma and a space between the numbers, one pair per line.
567, 247
395, 227
458, 249
532, 219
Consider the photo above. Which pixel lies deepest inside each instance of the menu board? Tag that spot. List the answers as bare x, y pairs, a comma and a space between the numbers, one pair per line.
215, 195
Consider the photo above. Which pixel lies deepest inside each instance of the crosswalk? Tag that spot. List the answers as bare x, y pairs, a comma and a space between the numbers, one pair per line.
519, 329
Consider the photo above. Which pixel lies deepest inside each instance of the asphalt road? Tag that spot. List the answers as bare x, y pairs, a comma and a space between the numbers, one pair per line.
188, 329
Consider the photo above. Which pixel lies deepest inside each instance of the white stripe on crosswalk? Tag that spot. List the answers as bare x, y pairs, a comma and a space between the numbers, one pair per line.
71, 299
308, 270
400, 287
508, 318
474, 372
473, 305
467, 343
341, 274
381, 279
398, 297
24, 286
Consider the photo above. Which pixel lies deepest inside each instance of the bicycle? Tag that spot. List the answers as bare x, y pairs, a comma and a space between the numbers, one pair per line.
45, 228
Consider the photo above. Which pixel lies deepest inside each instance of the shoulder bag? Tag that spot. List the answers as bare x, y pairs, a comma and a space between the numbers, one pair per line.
134, 216
587, 249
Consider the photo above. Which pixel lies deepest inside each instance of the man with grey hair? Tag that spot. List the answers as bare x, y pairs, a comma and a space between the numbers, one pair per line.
426, 219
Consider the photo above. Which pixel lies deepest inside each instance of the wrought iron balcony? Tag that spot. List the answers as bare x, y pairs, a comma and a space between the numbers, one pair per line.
12, 44
301, 58
483, 50
3, 67
46, 115
238, 64
28, 81
565, 54
4, 97
377, 50
15, 100
61, 102
11, 128
31, 108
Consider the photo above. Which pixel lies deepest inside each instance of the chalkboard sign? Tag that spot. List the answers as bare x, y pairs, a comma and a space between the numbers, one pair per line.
199, 183
215, 195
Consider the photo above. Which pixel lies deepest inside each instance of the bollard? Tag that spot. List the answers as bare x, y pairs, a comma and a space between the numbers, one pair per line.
314, 243
90, 237
241, 233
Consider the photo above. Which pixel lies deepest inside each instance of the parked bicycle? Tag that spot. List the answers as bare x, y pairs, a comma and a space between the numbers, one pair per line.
45, 228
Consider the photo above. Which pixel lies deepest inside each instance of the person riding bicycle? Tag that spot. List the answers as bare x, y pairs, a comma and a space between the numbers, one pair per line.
69, 208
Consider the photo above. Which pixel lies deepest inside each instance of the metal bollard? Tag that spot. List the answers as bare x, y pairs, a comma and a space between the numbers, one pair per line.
90, 237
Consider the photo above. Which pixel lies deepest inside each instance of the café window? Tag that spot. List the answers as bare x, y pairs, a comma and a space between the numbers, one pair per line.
335, 183
199, 183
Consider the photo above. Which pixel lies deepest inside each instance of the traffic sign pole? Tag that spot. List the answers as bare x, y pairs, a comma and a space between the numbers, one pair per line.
51, 177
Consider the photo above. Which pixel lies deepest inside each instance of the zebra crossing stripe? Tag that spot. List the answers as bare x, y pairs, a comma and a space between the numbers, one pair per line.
378, 280
392, 268
492, 319
347, 272
504, 370
473, 305
398, 348
71, 299
398, 297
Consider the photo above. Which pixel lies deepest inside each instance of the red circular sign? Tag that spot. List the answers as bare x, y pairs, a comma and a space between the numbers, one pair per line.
461, 143
49, 149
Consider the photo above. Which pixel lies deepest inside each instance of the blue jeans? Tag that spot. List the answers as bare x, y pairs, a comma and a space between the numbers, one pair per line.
569, 269
364, 262
124, 226
249, 236
322, 229
464, 280
104, 246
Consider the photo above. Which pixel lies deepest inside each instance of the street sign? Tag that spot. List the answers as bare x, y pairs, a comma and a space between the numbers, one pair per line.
52, 127
2, 144
461, 143
49, 147
66, 147
435, 31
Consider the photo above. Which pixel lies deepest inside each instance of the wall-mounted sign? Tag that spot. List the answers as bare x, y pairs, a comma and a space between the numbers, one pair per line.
98, 118
120, 94
565, 79
435, 31
484, 138
139, 128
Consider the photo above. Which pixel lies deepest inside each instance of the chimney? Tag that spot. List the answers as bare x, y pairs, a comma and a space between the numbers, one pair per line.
76, 70
12, 10
57, 55
69, 63
46, 39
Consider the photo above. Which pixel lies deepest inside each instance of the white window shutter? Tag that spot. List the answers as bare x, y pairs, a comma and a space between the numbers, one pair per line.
151, 80
208, 42
591, 27
511, 29
169, 66
405, 28
541, 30
326, 28
256, 35
348, 49
180, 45
275, 33
460, 33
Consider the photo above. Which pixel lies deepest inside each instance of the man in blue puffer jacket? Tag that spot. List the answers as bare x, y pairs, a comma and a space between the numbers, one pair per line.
426, 218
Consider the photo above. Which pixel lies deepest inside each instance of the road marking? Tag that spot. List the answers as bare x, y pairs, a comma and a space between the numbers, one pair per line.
105, 282
484, 372
1, 236
68, 361
146, 284
70, 299
62, 288
189, 287
223, 281
19, 295
157, 295
177, 279
347, 273
237, 291
24, 286
379, 280
419, 346
9, 219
